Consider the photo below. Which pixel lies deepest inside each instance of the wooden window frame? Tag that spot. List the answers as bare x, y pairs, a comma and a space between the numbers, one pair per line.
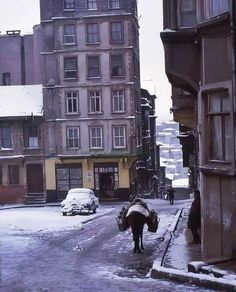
72, 101
97, 138
73, 141
119, 137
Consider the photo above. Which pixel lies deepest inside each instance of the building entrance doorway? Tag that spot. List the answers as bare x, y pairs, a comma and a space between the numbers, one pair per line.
34, 186
106, 185
106, 180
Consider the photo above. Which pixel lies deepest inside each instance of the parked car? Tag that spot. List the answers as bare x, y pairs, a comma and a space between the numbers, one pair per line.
78, 201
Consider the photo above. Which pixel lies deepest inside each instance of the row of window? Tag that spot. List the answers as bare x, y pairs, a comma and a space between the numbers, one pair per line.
73, 138
31, 139
91, 4
94, 67
96, 137
95, 101
189, 10
92, 33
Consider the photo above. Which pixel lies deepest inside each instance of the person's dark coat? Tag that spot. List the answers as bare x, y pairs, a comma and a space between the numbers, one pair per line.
171, 194
194, 219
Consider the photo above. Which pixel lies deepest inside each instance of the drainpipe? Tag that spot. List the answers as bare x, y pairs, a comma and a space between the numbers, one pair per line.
233, 25
233, 32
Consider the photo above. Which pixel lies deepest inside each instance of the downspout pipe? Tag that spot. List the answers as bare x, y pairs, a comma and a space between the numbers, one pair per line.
233, 25
234, 39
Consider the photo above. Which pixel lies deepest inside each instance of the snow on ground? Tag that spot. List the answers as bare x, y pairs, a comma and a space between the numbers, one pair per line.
46, 219
50, 219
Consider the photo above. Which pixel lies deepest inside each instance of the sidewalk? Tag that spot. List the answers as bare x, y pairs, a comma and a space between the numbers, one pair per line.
23, 205
183, 262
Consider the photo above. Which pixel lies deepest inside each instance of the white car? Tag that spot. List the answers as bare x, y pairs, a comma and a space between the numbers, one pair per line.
78, 201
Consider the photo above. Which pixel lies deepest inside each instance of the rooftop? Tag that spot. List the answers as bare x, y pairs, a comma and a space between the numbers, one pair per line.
21, 100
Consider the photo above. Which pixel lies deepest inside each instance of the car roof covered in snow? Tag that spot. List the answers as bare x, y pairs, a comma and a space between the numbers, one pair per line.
79, 190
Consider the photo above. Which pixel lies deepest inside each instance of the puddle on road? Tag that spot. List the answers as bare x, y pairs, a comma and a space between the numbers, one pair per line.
131, 274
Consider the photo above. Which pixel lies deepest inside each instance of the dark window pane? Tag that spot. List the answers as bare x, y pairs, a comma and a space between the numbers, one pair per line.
70, 67
6, 78
117, 65
69, 4
6, 141
93, 66
13, 174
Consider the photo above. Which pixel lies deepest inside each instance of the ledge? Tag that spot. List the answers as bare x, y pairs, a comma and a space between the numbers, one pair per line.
219, 169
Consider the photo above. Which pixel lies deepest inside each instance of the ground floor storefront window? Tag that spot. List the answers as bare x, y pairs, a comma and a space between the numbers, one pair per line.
69, 177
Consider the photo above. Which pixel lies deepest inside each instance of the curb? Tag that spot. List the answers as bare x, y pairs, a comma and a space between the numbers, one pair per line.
167, 239
7, 207
190, 277
205, 281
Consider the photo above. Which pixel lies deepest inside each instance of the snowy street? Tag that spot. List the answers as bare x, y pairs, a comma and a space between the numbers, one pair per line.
41, 250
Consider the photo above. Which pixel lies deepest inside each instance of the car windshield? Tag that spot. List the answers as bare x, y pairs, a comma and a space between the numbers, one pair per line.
78, 196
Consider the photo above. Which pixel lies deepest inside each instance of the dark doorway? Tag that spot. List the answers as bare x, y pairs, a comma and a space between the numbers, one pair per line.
34, 178
106, 180
106, 185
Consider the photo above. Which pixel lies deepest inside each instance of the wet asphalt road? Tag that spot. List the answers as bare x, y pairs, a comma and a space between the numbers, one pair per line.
95, 258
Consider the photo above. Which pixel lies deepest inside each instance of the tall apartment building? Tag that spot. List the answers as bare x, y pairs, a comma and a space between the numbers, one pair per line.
91, 91
199, 40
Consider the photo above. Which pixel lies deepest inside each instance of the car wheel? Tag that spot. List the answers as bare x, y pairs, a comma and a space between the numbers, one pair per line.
94, 210
63, 213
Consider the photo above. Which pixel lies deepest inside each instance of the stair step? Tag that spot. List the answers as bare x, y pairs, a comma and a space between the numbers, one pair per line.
35, 199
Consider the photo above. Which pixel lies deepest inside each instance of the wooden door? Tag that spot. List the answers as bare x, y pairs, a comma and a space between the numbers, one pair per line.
35, 178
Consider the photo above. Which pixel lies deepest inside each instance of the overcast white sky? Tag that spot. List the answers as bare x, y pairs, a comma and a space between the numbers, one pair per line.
24, 14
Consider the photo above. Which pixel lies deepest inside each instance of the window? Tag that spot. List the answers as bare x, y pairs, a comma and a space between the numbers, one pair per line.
116, 32
73, 137
13, 174
114, 4
216, 7
187, 15
95, 101
69, 34
69, 177
6, 78
119, 136
218, 117
70, 67
92, 33
69, 4
96, 137
6, 138
92, 4
32, 131
93, 66
118, 101
117, 68
72, 102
